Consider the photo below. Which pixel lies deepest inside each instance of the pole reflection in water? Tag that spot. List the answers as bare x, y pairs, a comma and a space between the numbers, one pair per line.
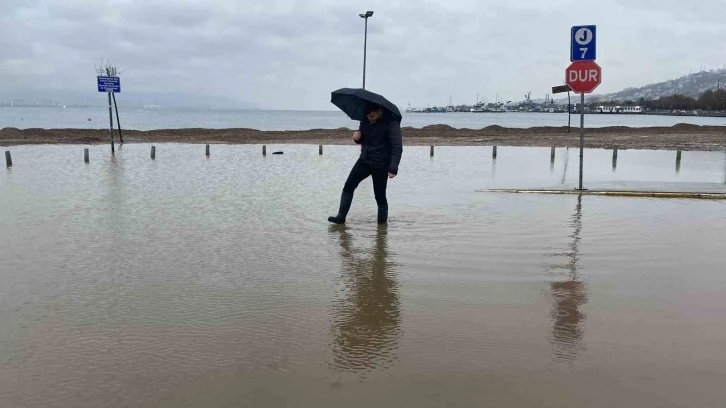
567, 160
367, 320
678, 162
568, 295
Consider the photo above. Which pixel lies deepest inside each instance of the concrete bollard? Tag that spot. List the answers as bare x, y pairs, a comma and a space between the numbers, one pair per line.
264, 150
86, 157
207, 152
494, 152
320, 150
8, 159
432, 151
153, 152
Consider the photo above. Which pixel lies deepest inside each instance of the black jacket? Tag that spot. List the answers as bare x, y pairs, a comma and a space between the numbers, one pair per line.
381, 144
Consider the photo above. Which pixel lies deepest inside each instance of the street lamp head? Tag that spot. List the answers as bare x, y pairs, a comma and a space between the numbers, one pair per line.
366, 15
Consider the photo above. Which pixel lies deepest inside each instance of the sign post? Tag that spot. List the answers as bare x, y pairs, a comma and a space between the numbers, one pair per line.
560, 89
583, 75
109, 85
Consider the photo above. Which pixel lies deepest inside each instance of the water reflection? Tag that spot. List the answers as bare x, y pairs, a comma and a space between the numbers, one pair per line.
116, 196
569, 294
678, 162
615, 160
367, 321
564, 171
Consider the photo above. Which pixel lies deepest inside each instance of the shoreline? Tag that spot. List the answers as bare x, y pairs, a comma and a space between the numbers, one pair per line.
678, 137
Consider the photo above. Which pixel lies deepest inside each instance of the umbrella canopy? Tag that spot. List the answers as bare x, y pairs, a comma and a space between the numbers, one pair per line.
353, 101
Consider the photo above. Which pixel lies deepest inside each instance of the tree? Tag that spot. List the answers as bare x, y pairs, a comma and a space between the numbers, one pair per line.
107, 69
713, 100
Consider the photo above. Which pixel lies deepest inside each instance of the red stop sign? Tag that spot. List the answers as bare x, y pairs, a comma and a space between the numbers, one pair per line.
583, 76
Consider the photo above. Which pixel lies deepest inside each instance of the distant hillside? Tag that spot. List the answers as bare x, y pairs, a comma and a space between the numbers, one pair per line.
691, 85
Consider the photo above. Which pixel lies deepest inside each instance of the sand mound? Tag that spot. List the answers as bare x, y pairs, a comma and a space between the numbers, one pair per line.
494, 128
439, 128
685, 126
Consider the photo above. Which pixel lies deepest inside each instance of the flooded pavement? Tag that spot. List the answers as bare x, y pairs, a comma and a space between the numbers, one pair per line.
217, 282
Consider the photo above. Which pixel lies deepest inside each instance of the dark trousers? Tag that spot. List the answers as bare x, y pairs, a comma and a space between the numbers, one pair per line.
360, 172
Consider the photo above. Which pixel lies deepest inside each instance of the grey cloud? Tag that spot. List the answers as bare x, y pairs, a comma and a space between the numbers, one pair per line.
291, 54
711, 11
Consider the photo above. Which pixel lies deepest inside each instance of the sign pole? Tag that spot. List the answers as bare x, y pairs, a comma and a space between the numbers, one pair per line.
569, 111
110, 121
109, 84
583, 75
565, 88
582, 134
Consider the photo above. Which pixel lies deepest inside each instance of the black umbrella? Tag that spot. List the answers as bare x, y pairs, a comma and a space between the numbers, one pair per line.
353, 101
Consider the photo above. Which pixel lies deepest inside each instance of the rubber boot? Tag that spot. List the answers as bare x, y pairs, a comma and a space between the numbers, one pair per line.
345, 200
382, 214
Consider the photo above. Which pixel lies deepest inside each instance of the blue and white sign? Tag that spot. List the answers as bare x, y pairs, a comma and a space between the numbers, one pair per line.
109, 84
582, 43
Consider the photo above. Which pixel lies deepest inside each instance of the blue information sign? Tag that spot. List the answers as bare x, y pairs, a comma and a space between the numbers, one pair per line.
582, 43
109, 84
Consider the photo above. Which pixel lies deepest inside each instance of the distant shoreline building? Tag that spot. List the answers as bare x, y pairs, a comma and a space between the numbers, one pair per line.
619, 109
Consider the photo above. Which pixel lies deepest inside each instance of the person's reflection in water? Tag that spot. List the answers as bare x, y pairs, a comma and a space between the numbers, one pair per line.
367, 319
568, 296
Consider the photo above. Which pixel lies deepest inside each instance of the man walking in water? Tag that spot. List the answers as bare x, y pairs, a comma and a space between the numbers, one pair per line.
381, 149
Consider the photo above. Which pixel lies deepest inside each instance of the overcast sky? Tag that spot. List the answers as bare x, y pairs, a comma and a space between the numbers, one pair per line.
286, 54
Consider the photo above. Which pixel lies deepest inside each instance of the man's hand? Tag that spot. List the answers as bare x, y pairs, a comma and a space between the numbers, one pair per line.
356, 135
391, 175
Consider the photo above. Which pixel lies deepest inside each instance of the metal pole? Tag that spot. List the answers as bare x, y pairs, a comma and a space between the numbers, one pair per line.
365, 46
118, 120
569, 111
110, 121
582, 133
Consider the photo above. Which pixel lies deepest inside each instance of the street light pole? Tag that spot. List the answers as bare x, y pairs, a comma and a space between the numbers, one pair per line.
365, 43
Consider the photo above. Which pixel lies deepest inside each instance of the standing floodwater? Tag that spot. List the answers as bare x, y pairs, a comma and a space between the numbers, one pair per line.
195, 281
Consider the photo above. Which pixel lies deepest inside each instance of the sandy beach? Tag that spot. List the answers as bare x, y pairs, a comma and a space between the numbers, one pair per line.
679, 137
